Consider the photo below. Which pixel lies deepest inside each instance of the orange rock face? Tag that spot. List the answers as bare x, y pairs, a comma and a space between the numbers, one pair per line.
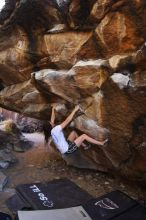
90, 53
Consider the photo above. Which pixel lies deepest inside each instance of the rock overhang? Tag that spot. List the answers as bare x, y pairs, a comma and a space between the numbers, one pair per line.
95, 59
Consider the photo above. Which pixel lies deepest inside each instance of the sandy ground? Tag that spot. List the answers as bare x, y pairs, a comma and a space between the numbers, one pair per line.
42, 164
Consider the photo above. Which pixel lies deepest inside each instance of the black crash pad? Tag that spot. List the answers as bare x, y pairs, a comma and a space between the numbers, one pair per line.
110, 206
136, 213
4, 216
16, 202
61, 193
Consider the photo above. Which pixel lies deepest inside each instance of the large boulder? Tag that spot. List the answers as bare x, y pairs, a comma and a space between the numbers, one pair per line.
11, 139
90, 53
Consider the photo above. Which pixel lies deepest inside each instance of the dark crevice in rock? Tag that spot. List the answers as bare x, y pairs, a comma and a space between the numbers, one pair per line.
10, 108
138, 136
37, 16
79, 16
7, 10
138, 123
63, 7
32, 49
2, 86
127, 68
83, 13
32, 17
75, 16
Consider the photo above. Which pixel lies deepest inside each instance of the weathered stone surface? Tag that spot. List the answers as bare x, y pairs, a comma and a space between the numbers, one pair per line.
29, 125
90, 75
6, 158
90, 53
118, 32
3, 181
11, 138
63, 48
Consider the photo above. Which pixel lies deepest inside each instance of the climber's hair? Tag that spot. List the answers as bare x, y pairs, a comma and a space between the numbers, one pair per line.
47, 127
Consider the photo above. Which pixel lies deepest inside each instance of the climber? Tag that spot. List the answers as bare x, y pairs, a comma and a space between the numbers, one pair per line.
73, 141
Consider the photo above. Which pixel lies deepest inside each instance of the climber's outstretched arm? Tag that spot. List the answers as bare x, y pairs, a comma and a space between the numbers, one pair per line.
52, 120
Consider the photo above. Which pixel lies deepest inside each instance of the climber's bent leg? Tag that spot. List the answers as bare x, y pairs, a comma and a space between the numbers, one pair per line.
73, 136
84, 137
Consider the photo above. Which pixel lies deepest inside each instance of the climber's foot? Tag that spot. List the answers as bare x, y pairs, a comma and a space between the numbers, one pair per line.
105, 142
